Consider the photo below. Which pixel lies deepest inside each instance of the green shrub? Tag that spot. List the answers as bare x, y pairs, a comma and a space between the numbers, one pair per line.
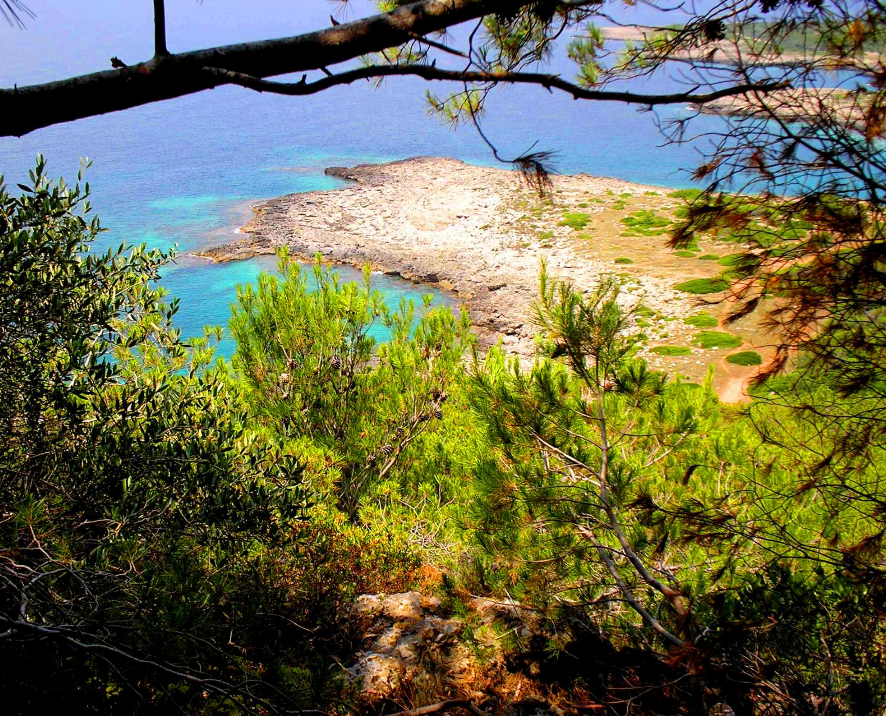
583, 205
671, 350
702, 320
745, 358
703, 285
575, 220
687, 194
717, 339
730, 260
709, 257
312, 332
686, 254
646, 222
791, 249
623, 260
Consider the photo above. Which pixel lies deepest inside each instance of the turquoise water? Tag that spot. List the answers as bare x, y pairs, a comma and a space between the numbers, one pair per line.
186, 171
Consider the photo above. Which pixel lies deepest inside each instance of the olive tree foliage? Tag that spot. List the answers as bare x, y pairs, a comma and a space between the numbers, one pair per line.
316, 376
133, 500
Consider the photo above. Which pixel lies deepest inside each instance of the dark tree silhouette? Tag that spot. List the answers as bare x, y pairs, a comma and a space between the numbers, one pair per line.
516, 35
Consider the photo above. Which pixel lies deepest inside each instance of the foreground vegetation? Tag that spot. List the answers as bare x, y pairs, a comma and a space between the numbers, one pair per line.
182, 533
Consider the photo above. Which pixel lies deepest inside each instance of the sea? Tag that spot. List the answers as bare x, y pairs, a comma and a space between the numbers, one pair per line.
185, 172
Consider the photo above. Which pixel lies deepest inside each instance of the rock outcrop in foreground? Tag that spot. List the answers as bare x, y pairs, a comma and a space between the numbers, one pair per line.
494, 658
413, 651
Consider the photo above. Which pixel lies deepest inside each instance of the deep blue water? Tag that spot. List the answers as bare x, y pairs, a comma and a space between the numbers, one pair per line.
186, 171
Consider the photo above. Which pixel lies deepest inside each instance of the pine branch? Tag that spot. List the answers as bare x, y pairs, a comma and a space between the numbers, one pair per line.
167, 76
25, 109
431, 73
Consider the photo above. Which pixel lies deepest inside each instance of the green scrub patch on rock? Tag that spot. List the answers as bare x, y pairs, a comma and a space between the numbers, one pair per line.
745, 358
703, 285
716, 339
702, 320
671, 350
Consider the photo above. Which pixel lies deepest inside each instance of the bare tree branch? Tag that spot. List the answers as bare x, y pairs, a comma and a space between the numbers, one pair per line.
167, 76
627, 592
438, 45
430, 72
25, 109
160, 49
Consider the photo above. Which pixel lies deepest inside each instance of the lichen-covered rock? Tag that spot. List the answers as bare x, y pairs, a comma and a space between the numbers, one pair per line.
406, 642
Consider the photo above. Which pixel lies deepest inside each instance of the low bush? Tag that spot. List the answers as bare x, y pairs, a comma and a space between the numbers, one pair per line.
575, 220
730, 260
716, 339
646, 222
703, 285
687, 194
702, 320
745, 358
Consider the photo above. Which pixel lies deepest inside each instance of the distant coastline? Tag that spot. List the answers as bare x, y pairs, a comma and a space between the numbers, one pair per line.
724, 52
793, 105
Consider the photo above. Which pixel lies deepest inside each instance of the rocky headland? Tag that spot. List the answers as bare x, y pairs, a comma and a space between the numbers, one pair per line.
480, 234
801, 104
444, 223
737, 51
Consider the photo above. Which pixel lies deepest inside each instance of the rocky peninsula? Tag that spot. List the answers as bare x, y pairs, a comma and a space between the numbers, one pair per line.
480, 233
801, 104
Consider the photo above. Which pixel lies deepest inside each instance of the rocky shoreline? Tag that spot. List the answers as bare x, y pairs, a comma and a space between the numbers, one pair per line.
448, 224
732, 52
805, 104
